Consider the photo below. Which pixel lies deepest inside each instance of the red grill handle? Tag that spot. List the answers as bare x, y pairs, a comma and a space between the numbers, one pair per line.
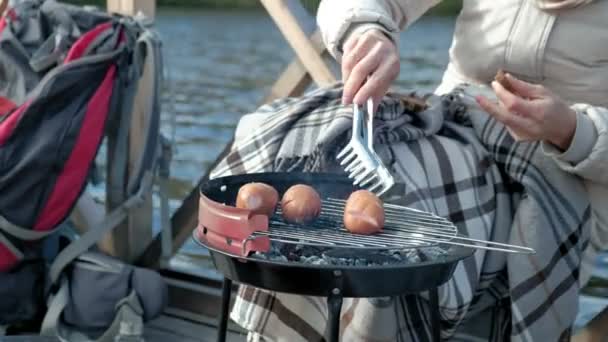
227, 228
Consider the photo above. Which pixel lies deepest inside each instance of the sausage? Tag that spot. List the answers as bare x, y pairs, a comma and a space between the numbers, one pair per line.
502, 79
301, 204
363, 213
260, 198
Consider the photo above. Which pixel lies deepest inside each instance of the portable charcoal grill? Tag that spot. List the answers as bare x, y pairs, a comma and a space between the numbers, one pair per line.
233, 236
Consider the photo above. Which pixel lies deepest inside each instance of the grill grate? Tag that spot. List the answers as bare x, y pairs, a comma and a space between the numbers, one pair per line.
405, 228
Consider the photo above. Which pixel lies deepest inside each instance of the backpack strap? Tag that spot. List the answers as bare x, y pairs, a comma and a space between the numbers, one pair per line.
88, 239
56, 305
127, 326
8, 228
148, 51
21, 232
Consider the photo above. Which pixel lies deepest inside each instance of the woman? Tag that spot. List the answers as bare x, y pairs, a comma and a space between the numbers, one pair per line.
492, 296
557, 46
538, 40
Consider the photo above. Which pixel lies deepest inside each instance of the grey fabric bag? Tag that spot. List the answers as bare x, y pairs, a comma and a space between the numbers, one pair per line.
22, 299
103, 299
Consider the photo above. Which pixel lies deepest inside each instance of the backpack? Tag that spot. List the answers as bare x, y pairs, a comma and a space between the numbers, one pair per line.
68, 77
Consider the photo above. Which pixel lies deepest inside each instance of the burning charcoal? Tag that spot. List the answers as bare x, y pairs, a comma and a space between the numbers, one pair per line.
293, 256
434, 253
413, 256
260, 255
397, 257
285, 248
361, 262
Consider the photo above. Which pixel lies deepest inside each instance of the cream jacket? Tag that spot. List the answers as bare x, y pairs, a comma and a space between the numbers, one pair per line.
566, 51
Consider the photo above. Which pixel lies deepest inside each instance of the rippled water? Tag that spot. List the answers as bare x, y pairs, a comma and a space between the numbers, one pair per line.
222, 64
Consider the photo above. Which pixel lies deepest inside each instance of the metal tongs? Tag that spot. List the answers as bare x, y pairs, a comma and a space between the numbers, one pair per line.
360, 160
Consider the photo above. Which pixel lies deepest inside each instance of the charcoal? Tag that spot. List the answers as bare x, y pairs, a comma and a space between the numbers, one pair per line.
311, 255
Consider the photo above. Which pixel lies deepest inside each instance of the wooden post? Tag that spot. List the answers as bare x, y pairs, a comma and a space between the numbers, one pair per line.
285, 20
132, 7
131, 238
296, 78
3, 4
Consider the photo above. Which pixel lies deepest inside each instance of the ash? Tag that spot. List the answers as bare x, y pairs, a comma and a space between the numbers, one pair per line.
311, 255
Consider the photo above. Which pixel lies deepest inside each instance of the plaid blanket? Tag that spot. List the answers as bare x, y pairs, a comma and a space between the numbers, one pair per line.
451, 159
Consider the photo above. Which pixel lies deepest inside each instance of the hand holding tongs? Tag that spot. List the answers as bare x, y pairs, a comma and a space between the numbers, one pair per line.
361, 162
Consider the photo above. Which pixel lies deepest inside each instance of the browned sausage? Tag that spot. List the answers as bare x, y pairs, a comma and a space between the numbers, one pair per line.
502, 79
301, 204
260, 198
363, 213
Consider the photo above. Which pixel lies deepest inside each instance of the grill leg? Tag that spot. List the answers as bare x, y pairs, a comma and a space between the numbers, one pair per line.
222, 327
435, 320
334, 308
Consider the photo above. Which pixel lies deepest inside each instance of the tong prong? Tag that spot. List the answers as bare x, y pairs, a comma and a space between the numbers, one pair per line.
366, 181
350, 158
348, 148
358, 157
366, 176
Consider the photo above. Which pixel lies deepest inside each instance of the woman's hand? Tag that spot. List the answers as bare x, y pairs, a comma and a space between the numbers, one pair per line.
370, 64
532, 113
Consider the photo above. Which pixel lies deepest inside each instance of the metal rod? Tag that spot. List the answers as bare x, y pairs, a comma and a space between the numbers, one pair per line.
388, 206
335, 238
435, 317
405, 228
342, 235
390, 226
339, 207
337, 215
338, 211
223, 324
334, 309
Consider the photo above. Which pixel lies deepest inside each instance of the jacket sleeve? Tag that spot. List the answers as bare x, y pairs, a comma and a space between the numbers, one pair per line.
338, 19
587, 155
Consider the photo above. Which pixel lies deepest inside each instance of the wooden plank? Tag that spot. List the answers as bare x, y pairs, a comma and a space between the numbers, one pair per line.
196, 298
3, 4
170, 328
116, 242
183, 221
132, 7
140, 221
280, 11
295, 79
596, 329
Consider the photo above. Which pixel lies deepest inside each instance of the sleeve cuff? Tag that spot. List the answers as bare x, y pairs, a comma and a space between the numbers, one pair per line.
358, 20
585, 137
360, 28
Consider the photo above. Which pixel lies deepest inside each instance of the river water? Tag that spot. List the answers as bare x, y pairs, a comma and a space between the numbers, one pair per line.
220, 65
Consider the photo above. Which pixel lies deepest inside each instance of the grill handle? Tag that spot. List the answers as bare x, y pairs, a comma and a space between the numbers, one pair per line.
228, 228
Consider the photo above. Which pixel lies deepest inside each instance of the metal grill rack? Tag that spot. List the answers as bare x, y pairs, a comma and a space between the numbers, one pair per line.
404, 228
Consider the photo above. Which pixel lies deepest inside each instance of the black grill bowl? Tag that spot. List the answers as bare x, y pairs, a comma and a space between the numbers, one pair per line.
321, 280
